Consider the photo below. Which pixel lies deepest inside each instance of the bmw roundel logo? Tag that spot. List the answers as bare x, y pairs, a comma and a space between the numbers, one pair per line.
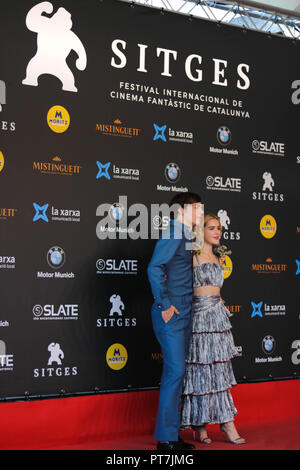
268, 344
56, 257
224, 135
116, 211
172, 172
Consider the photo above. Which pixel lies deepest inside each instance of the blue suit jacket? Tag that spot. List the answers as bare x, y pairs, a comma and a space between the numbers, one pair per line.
170, 270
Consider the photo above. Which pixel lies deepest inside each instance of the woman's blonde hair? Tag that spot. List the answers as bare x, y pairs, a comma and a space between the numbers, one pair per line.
210, 216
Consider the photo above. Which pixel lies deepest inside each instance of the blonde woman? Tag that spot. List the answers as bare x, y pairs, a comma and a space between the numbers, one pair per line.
209, 375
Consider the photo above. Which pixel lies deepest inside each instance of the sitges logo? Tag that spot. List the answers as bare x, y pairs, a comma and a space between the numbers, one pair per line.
115, 316
55, 41
267, 193
228, 234
56, 312
216, 70
55, 366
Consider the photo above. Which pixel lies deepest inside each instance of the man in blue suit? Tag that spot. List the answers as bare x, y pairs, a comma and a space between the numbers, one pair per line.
170, 273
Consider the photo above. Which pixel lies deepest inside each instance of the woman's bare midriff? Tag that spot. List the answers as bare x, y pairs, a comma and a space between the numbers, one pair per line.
207, 290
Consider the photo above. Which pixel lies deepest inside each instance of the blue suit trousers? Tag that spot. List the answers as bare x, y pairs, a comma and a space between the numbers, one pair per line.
174, 338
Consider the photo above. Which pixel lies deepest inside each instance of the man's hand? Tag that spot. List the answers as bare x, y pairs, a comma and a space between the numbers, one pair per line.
168, 314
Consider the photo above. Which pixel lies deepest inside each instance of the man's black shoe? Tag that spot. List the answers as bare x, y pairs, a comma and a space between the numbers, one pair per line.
170, 445
186, 445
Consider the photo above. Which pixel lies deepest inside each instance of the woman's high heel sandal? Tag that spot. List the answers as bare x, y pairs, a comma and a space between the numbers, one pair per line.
202, 440
238, 440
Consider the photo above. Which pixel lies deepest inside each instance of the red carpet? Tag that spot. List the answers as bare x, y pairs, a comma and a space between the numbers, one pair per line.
285, 436
269, 418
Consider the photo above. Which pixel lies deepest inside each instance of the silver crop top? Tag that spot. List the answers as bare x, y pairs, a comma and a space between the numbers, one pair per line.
208, 274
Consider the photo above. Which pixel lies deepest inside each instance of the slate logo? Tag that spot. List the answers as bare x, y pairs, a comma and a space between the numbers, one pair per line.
264, 147
52, 312
160, 222
112, 266
220, 183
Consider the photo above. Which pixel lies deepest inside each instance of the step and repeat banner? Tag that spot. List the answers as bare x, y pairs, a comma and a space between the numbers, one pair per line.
107, 110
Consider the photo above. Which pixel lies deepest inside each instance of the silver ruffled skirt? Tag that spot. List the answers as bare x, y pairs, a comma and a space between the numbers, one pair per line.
209, 375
